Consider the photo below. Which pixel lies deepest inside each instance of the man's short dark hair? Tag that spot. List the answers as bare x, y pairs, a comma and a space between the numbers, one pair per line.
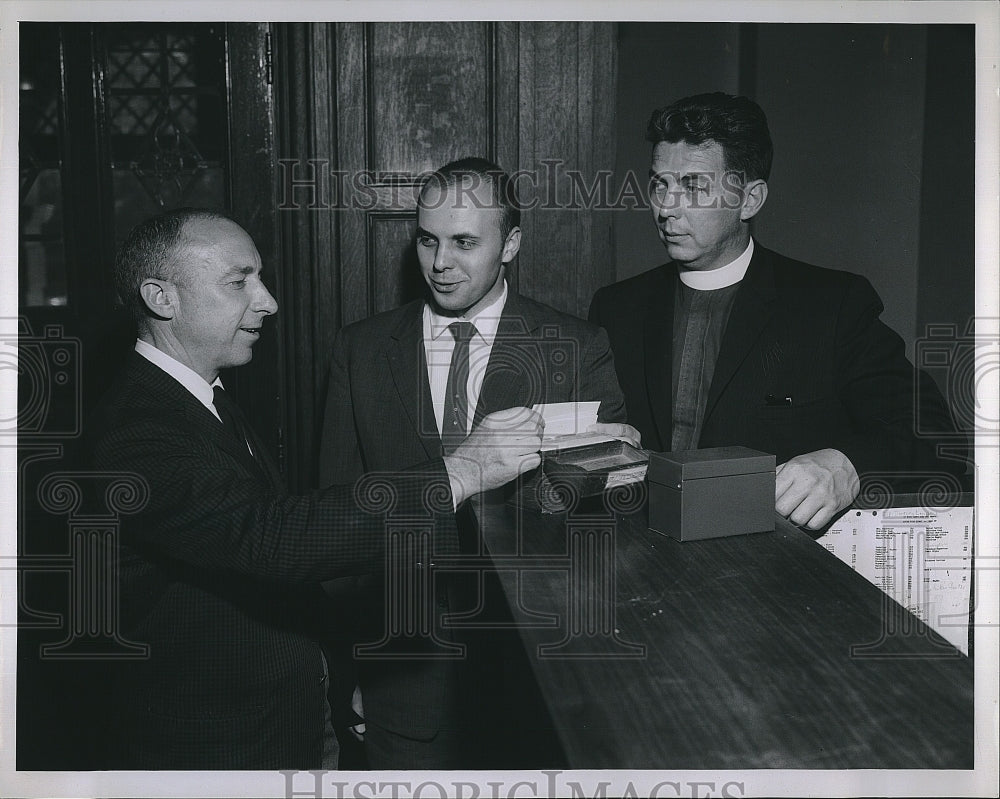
737, 123
148, 252
503, 195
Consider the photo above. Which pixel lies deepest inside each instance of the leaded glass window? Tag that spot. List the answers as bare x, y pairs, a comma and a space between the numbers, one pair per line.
152, 99
42, 244
165, 92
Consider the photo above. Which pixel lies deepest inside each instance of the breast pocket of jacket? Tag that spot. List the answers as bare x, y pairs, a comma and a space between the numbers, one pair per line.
782, 408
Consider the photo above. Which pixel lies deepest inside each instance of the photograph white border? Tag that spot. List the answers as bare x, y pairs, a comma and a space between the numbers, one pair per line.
980, 782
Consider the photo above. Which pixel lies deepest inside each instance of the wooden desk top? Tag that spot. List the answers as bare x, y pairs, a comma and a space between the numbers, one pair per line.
759, 651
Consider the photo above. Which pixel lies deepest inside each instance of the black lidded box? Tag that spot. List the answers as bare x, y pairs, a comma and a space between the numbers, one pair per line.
711, 493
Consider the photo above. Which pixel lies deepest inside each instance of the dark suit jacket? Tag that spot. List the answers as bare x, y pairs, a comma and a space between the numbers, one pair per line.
213, 571
379, 415
796, 331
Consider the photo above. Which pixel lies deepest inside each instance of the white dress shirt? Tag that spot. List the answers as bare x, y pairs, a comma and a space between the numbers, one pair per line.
187, 377
439, 344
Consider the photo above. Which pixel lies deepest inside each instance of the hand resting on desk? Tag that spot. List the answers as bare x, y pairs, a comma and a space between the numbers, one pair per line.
811, 489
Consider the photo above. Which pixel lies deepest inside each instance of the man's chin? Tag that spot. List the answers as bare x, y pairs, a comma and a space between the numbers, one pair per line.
448, 304
681, 258
241, 358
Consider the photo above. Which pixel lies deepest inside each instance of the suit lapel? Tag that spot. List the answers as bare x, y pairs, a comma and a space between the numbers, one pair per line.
657, 343
263, 460
407, 363
171, 394
752, 310
499, 390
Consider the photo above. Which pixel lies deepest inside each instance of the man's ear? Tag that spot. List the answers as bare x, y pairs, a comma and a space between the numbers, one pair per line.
511, 245
159, 297
754, 197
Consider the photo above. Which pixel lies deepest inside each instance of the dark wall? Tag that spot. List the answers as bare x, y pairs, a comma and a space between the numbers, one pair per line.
659, 62
947, 211
846, 107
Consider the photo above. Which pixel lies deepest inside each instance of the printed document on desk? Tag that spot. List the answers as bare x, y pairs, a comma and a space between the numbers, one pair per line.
921, 557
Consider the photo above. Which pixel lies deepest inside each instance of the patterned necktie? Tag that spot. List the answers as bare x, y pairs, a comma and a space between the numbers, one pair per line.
454, 424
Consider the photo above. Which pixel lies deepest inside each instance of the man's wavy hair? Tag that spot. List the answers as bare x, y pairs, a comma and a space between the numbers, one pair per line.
737, 124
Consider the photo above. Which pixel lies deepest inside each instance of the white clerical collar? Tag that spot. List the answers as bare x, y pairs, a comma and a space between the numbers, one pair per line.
184, 375
708, 279
487, 320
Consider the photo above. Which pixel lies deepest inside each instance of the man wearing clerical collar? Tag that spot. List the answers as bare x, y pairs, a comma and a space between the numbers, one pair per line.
732, 344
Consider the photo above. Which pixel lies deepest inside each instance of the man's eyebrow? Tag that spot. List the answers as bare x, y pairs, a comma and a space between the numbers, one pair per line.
239, 270
452, 237
694, 174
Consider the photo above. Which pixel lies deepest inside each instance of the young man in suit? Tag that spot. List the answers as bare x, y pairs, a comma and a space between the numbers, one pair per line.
411, 383
732, 344
215, 567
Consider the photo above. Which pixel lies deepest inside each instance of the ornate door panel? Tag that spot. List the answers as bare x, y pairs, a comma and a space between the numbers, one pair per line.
411, 97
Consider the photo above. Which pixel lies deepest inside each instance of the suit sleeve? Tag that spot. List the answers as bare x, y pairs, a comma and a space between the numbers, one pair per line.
340, 461
598, 380
884, 394
204, 509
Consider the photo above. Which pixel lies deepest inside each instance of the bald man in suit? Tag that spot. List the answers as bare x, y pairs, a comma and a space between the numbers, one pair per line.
220, 568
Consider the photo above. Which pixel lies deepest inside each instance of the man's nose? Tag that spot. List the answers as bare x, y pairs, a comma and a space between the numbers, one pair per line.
666, 207
265, 302
442, 258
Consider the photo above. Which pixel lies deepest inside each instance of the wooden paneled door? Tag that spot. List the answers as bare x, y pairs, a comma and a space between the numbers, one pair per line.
314, 135
367, 109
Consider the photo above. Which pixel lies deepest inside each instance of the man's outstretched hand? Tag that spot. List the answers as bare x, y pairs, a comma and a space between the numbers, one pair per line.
504, 445
811, 489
